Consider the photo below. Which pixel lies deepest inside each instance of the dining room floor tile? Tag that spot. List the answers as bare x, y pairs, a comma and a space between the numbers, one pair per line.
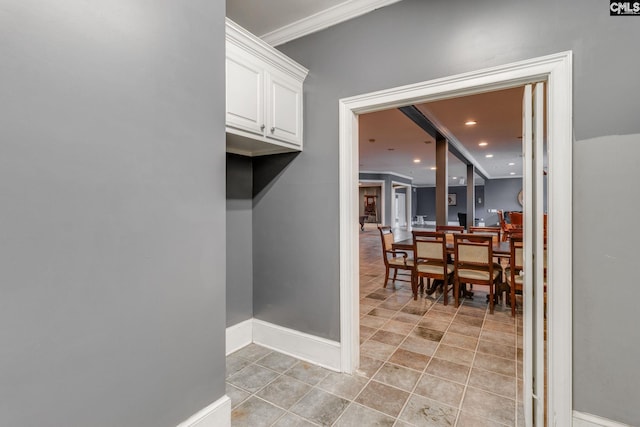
421, 364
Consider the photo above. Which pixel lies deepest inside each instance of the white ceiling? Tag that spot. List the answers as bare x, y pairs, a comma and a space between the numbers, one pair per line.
499, 114
499, 120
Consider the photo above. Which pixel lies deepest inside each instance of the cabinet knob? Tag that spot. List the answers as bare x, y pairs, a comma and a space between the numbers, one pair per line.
262, 127
273, 129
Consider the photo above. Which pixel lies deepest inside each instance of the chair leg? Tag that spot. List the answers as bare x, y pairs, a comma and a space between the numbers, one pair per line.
456, 291
414, 285
386, 277
395, 274
445, 288
491, 302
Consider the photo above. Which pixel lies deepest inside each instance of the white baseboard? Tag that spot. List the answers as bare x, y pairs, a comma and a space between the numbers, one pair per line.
313, 349
582, 419
310, 348
218, 414
239, 335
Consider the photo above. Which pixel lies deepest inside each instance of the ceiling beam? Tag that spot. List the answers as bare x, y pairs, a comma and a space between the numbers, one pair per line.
416, 116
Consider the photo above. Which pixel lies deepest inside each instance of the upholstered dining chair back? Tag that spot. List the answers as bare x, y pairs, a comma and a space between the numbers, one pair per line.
493, 231
430, 258
474, 263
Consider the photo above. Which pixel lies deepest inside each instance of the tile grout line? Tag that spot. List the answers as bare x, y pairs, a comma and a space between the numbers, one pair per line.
382, 364
280, 374
424, 370
473, 360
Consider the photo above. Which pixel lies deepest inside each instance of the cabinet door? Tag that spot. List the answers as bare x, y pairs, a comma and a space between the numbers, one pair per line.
245, 93
284, 108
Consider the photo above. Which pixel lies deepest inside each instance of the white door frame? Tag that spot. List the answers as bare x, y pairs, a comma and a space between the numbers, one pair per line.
556, 69
407, 200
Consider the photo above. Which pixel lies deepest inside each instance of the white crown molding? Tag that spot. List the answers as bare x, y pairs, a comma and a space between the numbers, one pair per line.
507, 177
334, 15
239, 36
388, 173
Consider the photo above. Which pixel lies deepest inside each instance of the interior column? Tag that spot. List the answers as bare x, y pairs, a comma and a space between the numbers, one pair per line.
471, 196
442, 181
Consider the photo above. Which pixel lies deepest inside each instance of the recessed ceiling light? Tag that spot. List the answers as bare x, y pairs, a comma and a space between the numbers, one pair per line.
432, 168
512, 173
470, 122
483, 144
416, 160
511, 163
488, 156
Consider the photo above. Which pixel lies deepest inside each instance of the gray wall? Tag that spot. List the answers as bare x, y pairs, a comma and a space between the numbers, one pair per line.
426, 202
112, 217
239, 239
606, 333
426, 40
501, 194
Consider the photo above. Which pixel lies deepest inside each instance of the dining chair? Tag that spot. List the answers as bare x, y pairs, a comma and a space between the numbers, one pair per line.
474, 264
515, 218
396, 260
496, 232
450, 228
430, 260
516, 263
504, 227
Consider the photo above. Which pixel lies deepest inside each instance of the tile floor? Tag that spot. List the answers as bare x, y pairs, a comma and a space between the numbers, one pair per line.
422, 364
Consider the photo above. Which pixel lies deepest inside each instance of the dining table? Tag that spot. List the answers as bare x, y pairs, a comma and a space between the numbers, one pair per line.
500, 249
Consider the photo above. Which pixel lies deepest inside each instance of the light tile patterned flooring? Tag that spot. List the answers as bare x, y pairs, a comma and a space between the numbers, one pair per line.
422, 364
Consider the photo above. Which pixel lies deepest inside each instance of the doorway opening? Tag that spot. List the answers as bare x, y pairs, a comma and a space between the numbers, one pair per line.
555, 70
401, 205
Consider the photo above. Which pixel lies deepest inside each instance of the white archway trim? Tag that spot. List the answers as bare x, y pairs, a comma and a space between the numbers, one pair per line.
557, 71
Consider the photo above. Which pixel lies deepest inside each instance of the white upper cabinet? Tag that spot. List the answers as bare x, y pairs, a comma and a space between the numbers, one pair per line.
264, 96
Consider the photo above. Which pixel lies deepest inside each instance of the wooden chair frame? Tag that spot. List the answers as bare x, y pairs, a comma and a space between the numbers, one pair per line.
450, 228
487, 266
436, 259
487, 230
406, 265
515, 267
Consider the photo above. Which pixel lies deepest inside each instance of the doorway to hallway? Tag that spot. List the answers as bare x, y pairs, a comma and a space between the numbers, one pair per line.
556, 70
400, 217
